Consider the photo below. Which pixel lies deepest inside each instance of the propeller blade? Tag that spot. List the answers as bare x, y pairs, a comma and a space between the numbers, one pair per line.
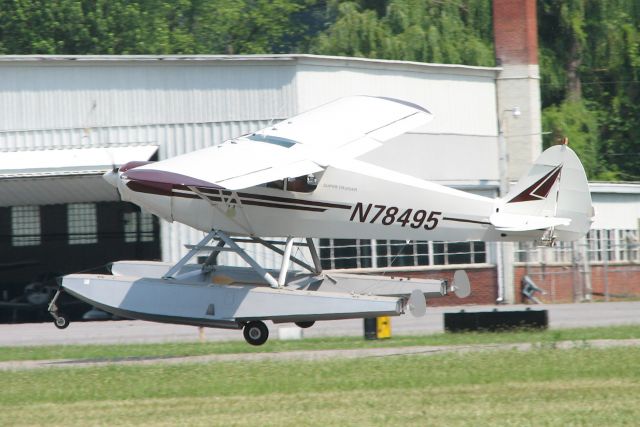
417, 303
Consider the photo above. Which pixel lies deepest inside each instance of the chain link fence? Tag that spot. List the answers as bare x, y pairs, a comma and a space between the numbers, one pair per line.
605, 265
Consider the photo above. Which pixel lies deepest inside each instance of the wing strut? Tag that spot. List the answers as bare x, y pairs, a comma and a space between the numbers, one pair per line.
229, 244
194, 250
245, 256
316, 269
285, 262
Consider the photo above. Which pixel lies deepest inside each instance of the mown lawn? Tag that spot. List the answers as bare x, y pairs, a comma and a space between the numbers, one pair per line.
583, 386
111, 351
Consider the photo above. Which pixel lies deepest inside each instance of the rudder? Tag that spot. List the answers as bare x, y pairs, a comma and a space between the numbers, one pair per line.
554, 194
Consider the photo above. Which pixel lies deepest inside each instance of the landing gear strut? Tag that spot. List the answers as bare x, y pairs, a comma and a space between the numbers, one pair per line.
256, 332
59, 319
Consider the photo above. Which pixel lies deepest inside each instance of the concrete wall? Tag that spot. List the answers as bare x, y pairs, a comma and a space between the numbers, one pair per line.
518, 84
617, 205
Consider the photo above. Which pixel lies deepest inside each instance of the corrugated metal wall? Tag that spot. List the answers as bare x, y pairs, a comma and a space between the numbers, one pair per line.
65, 94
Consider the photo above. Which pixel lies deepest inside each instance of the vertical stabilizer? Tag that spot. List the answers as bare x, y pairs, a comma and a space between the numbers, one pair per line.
554, 191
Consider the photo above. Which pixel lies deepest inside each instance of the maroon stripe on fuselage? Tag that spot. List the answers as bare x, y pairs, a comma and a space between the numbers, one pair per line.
165, 190
150, 187
274, 205
169, 182
296, 201
164, 177
470, 221
275, 199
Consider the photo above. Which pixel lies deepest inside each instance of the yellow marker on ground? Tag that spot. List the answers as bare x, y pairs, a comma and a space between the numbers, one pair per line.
384, 327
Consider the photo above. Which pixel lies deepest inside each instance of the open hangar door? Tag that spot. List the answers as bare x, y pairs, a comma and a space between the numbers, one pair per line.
59, 216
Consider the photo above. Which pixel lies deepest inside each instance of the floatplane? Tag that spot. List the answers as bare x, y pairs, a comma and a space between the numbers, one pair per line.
301, 179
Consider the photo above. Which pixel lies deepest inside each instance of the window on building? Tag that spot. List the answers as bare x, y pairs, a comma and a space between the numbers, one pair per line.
344, 253
82, 223
400, 253
446, 253
599, 246
25, 225
138, 227
530, 252
613, 245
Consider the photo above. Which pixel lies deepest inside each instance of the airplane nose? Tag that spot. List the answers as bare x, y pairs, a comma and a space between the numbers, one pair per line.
111, 177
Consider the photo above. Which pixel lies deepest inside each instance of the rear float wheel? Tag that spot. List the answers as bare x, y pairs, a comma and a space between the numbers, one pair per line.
305, 325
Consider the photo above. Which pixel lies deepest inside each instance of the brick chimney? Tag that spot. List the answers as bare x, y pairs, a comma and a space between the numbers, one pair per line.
515, 29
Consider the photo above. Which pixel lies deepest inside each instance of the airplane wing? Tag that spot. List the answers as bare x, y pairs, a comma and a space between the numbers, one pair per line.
307, 143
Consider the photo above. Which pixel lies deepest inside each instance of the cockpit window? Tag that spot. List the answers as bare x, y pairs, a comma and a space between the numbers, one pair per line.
283, 142
300, 184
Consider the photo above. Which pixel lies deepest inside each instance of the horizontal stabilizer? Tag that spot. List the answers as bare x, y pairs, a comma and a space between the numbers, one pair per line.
518, 222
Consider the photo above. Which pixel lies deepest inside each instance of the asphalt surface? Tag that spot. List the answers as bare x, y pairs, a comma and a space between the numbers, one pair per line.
134, 331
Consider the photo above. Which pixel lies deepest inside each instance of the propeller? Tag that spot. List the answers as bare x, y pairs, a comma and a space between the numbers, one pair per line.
417, 303
112, 176
461, 286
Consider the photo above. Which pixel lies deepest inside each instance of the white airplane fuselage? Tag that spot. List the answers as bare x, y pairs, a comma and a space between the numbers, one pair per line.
344, 205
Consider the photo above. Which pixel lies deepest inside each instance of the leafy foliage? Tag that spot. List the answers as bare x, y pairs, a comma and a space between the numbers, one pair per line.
150, 26
590, 61
574, 120
412, 30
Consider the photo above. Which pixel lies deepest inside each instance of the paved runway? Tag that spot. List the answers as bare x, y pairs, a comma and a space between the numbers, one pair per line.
134, 331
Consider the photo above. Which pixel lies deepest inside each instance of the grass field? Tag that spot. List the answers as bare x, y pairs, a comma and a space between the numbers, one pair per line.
111, 351
582, 386
543, 387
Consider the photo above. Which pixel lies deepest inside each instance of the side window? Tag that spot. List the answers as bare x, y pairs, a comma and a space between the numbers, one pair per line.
300, 184
279, 184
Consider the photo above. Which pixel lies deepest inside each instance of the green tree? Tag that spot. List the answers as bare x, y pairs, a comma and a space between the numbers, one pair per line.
152, 26
413, 30
590, 57
248, 26
354, 33
574, 120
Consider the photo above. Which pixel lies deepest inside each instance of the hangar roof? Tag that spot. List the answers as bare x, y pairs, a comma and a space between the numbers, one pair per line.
31, 177
339, 60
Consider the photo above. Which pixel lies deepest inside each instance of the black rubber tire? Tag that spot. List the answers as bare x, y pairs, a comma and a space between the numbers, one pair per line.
305, 325
256, 332
61, 322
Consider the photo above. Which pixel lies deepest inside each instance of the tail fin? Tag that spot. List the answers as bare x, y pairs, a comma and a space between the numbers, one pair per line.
553, 195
